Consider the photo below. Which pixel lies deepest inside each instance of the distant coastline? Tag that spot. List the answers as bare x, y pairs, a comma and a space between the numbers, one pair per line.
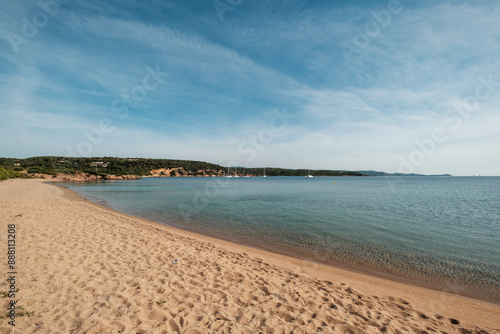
114, 168
377, 173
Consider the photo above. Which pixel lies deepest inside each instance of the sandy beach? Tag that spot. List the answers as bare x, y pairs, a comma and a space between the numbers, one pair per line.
83, 268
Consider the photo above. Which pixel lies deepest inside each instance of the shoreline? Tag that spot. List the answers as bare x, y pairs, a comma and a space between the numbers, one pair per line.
189, 271
433, 286
271, 253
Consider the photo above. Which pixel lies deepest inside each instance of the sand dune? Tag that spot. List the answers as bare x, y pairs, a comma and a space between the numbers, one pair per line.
85, 269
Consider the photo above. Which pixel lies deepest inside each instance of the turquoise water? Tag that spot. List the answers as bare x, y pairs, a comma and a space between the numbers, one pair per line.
442, 232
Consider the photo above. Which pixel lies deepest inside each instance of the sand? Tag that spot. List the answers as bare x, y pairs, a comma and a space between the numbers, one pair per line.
82, 268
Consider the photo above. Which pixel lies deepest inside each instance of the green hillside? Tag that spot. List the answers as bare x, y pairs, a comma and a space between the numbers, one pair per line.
140, 166
115, 166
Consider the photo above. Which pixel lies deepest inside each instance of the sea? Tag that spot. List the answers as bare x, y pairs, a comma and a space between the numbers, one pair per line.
437, 232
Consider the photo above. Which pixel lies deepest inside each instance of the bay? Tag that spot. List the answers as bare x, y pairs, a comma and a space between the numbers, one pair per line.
440, 232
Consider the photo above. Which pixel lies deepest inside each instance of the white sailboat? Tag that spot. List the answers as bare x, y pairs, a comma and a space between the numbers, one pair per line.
228, 175
309, 174
245, 173
264, 173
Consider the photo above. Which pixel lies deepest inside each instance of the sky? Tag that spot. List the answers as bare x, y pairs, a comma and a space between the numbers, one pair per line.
395, 85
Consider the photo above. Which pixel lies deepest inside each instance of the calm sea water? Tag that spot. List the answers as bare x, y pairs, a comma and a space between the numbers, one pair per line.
442, 232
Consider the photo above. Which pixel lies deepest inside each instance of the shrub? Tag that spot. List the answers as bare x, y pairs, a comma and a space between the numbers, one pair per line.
8, 173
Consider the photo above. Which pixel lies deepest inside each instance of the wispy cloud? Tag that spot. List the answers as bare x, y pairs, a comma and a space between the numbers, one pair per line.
226, 77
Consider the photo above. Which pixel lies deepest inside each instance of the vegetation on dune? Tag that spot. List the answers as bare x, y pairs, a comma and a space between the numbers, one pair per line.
7, 173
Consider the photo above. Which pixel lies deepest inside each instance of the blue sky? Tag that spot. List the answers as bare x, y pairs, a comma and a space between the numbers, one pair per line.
386, 85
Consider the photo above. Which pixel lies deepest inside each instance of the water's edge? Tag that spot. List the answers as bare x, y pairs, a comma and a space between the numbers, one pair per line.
436, 286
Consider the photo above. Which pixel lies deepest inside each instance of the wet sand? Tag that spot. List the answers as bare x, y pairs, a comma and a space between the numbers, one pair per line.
83, 268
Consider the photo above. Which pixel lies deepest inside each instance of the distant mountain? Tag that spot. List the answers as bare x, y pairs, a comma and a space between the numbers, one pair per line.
376, 173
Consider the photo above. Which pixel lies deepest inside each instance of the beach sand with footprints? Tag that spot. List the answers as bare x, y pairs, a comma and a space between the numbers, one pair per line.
83, 268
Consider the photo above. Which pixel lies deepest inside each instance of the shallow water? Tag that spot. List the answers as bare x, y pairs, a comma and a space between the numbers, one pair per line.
442, 232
